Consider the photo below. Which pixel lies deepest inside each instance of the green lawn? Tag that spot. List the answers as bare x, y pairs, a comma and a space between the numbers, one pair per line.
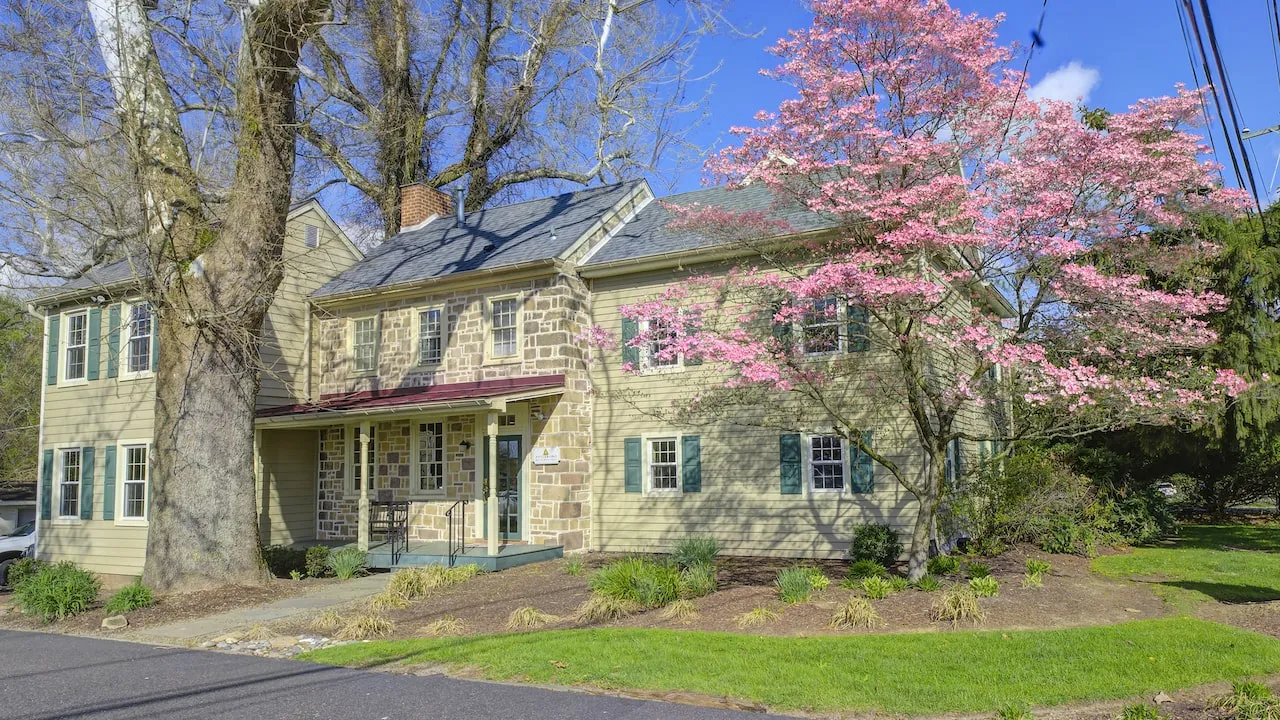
1227, 563
968, 671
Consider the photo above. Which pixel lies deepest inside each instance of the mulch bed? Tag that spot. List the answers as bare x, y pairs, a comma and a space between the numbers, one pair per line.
168, 608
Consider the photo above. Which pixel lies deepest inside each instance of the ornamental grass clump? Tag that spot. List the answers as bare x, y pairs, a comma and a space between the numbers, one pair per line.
876, 588
697, 581
695, 551
348, 563
680, 610
1247, 701
1141, 711
133, 596
927, 583
867, 568
639, 581
528, 618
411, 583
756, 617
447, 625
942, 565
797, 582
365, 626
857, 613
975, 569
603, 608
956, 604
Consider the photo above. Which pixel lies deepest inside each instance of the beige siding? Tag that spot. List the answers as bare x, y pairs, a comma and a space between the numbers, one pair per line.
741, 503
287, 487
284, 330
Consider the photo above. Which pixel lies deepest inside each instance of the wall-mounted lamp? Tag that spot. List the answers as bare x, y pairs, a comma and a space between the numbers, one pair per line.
465, 444
539, 415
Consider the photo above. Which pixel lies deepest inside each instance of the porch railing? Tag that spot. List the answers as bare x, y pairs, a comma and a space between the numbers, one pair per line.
456, 518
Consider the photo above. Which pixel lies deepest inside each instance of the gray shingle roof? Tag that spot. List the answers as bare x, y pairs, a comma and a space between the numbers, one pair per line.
648, 235
491, 238
112, 272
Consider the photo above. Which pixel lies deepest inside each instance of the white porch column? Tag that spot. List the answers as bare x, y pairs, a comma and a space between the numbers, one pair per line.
362, 521
478, 504
492, 501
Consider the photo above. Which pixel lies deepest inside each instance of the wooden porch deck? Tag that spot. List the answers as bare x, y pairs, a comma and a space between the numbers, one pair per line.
436, 552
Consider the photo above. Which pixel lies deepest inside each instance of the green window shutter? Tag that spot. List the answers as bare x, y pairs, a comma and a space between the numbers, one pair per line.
781, 330
51, 355
109, 482
113, 341
864, 468
858, 327
94, 344
46, 484
631, 464
630, 329
691, 464
155, 340
691, 361
790, 464
86, 483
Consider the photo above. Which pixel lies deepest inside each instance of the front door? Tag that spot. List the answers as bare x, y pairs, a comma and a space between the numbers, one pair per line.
510, 462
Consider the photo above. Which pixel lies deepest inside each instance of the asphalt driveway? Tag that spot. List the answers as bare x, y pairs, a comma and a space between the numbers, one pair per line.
44, 676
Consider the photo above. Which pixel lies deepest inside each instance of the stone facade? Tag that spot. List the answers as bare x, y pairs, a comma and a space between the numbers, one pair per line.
554, 311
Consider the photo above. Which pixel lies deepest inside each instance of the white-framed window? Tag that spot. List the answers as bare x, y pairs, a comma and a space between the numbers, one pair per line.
431, 326
76, 340
137, 347
820, 330
430, 457
664, 464
312, 237
507, 420
358, 473
364, 344
654, 357
826, 463
504, 327
135, 473
69, 483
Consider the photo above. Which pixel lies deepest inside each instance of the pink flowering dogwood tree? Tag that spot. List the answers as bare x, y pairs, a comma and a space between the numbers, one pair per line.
989, 271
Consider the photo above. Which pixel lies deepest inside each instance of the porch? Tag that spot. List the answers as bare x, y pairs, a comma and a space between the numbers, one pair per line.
436, 552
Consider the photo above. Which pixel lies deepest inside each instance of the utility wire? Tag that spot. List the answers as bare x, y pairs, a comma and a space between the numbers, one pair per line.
1036, 41
1222, 118
1231, 108
1195, 75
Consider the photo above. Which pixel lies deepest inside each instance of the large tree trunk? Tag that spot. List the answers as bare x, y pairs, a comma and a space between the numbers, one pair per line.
212, 286
927, 499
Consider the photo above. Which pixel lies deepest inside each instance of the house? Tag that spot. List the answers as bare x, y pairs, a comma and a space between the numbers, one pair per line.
440, 387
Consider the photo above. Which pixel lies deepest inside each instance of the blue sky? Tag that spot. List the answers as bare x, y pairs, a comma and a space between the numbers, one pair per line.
1114, 51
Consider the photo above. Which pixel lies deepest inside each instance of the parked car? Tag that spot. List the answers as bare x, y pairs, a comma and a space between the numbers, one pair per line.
19, 543
1166, 489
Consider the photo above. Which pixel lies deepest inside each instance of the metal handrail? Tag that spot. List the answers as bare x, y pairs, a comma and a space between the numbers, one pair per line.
457, 515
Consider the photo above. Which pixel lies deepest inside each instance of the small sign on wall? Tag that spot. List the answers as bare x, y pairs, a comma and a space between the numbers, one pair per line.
546, 456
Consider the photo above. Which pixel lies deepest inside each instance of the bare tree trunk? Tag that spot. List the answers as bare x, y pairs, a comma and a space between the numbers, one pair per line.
926, 510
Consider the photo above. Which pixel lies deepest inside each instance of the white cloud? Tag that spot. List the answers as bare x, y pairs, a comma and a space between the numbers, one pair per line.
1071, 83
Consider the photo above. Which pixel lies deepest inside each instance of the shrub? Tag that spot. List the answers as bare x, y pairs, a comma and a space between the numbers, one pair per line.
528, 618
364, 626
1033, 582
23, 568
956, 604
602, 608
680, 610
573, 566
695, 551
317, 561
985, 586
447, 625
281, 560
875, 542
58, 591
942, 565
638, 580
975, 569
876, 588
697, 580
131, 597
1037, 567
927, 583
867, 568
348, 562
857, 613
795, 583
756, 617
1141, 711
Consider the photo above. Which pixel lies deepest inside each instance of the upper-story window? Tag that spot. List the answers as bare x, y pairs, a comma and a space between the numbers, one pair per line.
431, 336
504, 319
364, 344
657, 353
138, 349
75, 364
821, 327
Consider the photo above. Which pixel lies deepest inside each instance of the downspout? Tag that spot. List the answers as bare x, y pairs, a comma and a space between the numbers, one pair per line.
306, 353
44, 391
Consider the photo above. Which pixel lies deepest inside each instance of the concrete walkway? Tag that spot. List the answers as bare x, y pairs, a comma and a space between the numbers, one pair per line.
187, 632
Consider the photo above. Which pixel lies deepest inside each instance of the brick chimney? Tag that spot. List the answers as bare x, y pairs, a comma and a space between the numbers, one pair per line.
419, 202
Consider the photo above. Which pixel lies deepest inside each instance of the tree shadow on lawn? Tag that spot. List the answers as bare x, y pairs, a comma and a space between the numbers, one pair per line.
1255, 538
1224, 592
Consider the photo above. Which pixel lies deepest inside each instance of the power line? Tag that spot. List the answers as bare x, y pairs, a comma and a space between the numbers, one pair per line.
1195, 75
1208, 74
1036, 41
1231, 106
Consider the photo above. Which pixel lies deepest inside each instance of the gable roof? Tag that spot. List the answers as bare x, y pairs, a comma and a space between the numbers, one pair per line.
491, 238
648, 234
